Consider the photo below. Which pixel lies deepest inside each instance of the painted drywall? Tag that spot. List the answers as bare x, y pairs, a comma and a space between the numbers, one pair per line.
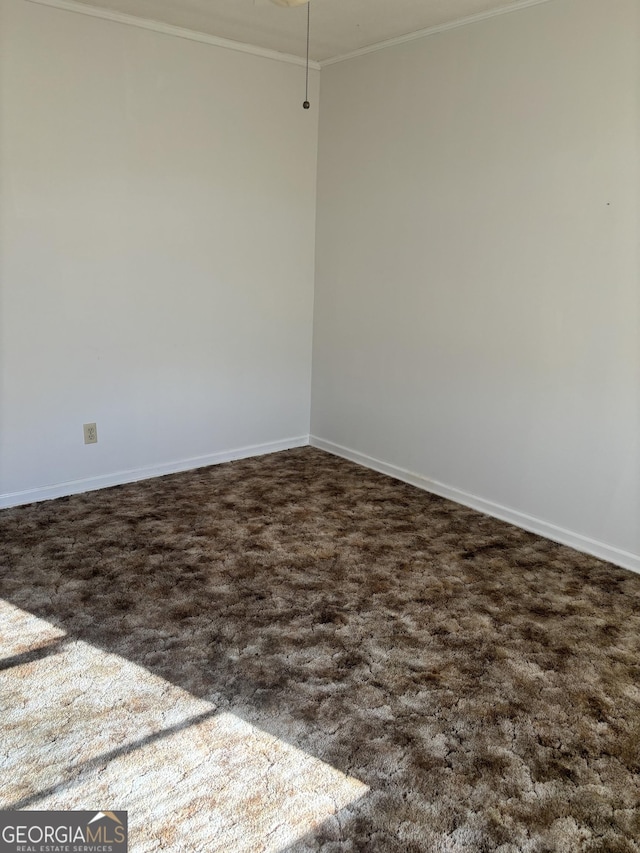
157, 227
477, 301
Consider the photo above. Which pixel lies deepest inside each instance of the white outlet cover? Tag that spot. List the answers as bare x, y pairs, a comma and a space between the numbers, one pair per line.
90, 433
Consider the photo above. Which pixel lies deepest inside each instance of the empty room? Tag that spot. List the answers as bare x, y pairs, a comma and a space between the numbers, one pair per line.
320, 426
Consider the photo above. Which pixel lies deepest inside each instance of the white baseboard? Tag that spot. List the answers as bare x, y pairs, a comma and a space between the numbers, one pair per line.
603, 551
119, 478
611, 554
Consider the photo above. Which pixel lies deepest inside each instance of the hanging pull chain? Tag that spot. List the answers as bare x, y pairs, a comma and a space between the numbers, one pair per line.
306, 104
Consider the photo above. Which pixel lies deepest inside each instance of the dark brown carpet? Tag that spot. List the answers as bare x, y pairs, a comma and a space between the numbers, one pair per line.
483, 682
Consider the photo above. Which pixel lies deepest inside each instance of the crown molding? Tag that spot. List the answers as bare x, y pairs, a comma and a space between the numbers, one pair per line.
241, 47
170, 30
516, 6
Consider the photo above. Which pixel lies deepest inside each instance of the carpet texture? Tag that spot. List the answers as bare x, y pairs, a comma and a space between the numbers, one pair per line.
477, 686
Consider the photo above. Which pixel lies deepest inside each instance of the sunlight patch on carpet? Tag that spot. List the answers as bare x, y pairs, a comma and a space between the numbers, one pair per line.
85, 729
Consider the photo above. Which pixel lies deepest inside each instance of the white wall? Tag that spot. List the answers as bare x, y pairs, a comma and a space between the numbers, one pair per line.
157, 218
477, 322
477, 304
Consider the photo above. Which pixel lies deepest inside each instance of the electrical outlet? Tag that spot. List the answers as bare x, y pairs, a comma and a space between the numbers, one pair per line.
90, 433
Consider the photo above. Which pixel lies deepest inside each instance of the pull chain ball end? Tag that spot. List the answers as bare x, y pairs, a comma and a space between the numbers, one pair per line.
306, 103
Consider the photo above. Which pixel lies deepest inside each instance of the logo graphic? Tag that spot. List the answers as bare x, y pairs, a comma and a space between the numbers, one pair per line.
63, 832
111, 815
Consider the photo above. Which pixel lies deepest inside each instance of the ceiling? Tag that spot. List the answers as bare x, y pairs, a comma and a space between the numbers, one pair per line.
338, 27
